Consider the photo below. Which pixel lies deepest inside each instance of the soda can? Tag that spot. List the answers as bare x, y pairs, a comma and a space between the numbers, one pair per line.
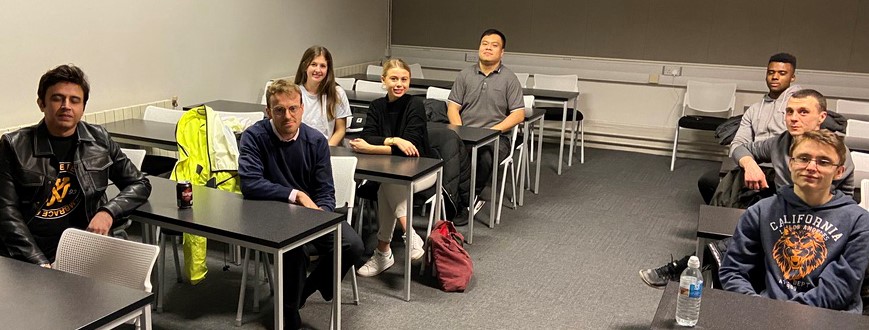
184, 193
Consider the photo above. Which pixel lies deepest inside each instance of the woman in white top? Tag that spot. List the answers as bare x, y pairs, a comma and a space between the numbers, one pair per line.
326, 105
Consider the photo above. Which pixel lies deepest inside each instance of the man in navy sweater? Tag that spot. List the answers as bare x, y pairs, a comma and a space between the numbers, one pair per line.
808, 244
283, 159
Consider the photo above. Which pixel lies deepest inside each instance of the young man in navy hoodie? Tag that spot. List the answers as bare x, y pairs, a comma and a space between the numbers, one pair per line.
806, 244
283, 159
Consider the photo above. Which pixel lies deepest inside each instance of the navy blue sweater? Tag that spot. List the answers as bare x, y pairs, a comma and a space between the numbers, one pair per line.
270, 169
786, 250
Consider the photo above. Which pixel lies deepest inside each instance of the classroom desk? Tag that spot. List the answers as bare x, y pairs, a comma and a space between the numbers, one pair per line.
857, 143
536, 116
402, 171
414, 82
476, 137
38, 298
728, 310
564, 98
268, 226
140, 132
230, 106
715, 223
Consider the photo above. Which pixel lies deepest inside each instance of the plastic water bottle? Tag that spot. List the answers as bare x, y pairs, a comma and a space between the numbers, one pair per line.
690, 290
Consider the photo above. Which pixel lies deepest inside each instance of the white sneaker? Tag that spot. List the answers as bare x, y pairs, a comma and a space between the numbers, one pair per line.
478, 205
416, 249
377, 264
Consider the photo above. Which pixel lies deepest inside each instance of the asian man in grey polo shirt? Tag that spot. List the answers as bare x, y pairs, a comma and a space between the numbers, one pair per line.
489, 95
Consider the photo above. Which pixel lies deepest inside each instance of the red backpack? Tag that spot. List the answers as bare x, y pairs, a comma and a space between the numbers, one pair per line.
450, 264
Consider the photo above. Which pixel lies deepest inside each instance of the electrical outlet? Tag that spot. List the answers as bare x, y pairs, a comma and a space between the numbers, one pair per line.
673, 71
472, 57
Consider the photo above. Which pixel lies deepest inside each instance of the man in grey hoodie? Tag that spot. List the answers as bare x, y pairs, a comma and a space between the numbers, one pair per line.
806, 244
763, 119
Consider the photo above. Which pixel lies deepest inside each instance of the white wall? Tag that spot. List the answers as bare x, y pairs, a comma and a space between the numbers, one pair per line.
139, 51
622, 109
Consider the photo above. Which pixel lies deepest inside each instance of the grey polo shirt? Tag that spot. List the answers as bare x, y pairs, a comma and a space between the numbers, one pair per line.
486, 100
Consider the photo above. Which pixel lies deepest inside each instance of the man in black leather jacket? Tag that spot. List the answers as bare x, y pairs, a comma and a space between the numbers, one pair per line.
54, 175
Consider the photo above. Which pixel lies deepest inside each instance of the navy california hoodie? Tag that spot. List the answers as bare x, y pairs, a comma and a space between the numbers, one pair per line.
787, 250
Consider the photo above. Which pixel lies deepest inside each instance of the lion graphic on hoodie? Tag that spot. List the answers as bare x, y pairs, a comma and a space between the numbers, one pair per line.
799, 251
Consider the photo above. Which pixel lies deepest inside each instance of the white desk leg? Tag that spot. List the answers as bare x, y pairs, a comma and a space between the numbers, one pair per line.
561, 144
279, 290
495, 165
407, 240
336, 274
472, 193
539, 154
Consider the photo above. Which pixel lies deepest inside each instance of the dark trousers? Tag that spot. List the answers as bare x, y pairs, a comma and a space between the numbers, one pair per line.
298, 285
484, 162
707, 184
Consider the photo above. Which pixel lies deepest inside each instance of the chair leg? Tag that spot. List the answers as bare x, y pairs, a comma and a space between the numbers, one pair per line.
355, 286
675, 143
256, 279
581, 143
572, 140
161, 271
241, 291
178, 277
501, 199
267, 268
514, 182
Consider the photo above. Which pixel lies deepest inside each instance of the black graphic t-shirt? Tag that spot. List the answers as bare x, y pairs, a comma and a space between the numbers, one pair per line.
62, 208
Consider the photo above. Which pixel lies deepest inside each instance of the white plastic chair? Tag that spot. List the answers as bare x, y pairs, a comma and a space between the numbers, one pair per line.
706, 98
136, 156
370, 87
346, 83
861, 170
857, 128
437, 93
416, 71
112, 260
374, 70
523, 79
528, 128
853, 109
162, 115
567, 83
508, 163
343, 171
266, 92
864, 197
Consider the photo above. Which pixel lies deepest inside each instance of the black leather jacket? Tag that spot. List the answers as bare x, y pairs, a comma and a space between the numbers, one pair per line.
27, 175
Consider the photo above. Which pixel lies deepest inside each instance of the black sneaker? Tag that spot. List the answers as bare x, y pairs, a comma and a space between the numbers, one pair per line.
658, 277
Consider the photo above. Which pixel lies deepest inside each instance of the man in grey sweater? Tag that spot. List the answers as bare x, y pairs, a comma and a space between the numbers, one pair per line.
763, 119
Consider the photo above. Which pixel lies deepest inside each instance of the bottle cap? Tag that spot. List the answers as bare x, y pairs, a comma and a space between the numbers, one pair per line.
693, 262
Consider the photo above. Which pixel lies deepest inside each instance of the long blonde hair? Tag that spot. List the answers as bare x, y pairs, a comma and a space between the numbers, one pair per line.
393, 63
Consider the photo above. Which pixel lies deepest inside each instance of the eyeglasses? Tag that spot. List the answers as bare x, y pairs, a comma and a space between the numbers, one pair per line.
281, 111
803, 161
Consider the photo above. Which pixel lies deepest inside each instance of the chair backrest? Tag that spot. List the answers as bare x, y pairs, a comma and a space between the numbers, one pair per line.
266, 92
343, 171
163, 115
567, 83
864, 197
105, 258
529, 104
346, 83
857, 128
853, 109
523, 79
416, 71
375, 70
437, 93
861, 169
370, 87
709, 97
137, 156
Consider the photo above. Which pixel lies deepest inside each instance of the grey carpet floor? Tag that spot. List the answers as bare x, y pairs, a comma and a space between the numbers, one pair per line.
568, 259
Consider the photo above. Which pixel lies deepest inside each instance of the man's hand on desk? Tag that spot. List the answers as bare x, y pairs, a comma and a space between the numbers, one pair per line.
304, 200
